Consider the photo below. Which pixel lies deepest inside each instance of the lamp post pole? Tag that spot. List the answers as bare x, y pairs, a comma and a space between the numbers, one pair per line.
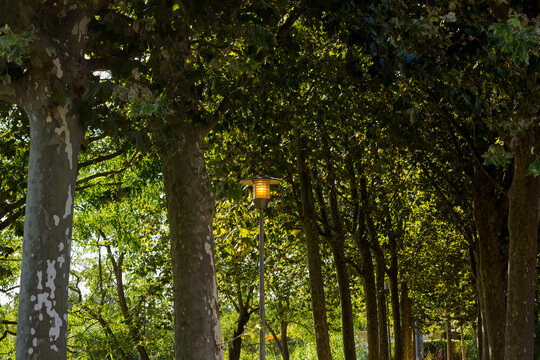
262, 351
261, 195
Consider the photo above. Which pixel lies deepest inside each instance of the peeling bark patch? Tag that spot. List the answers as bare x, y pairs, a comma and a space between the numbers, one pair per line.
56, 220
61, 246
34, 342
51, 276
39, 276
61, 260
79, 29
57, 68
32, 331
30, 351
54, 331
69, 203
62, 111
53, 347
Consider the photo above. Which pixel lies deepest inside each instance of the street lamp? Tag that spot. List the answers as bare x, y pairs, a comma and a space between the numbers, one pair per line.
261, 195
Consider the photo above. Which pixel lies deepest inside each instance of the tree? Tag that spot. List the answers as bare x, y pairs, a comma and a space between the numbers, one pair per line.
44, 72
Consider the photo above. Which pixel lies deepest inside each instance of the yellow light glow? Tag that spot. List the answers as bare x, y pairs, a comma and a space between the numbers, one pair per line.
261, 189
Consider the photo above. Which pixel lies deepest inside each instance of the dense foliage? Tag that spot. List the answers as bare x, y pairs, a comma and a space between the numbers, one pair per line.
406, 133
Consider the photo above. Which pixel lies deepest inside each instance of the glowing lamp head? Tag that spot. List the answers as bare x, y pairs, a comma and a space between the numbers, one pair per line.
261, 189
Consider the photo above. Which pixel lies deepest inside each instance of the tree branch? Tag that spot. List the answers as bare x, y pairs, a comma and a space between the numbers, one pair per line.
5, 291
13, 206
103, 158
476, 154
12, 218
101, 174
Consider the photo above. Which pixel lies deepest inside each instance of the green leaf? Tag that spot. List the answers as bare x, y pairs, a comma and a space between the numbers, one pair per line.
514, 22
534, 168
497, 156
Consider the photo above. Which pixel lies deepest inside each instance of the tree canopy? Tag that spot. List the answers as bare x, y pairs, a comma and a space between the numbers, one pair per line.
406, 135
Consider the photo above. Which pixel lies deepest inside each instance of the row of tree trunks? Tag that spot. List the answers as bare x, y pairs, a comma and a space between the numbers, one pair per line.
373, 281
337, 242
506, 323
309, 223
489, 214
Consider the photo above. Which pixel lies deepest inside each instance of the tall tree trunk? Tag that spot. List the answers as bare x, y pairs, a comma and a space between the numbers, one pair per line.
338, 246
381, 308
396, 316
50, 92
483, 351
236, 343
133, 331
449, 347
284, 341
489, 215
370, 294
414, 344
462, 338
281, 344
523, 216
368, 271
406, 322
55, 138
394, 292
347, 319
190, 206
309, 222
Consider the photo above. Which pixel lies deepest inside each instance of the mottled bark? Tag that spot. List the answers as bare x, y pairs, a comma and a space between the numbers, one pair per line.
49, 89
489, 215
190, 205
55, 138
309, 223
523, 214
